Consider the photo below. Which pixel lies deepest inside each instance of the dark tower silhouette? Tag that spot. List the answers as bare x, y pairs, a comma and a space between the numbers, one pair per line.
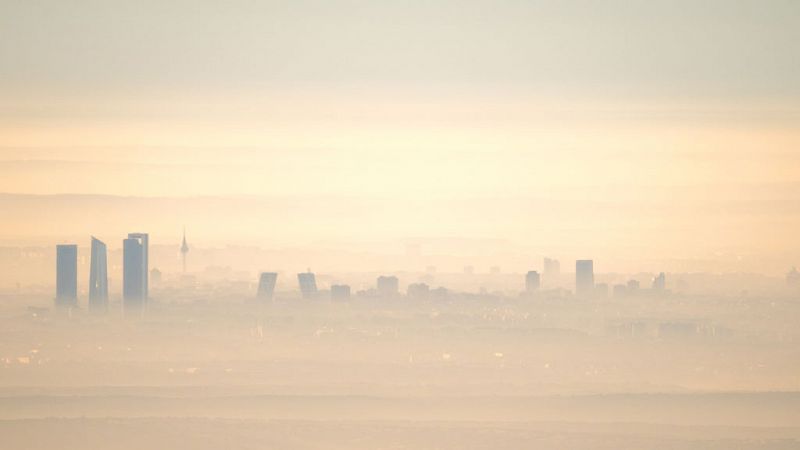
98, 277
134, 273
67, 275
532, 281
308, 284
143, 239
266, 285
584, 277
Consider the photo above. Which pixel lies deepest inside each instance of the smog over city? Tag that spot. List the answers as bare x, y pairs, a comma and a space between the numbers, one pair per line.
400, 225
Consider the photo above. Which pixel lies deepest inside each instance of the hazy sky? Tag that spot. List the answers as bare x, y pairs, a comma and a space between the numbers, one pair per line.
467, 105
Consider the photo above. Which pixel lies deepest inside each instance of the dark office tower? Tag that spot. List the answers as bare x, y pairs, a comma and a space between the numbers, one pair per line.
67, 275
388, 286
584, 278
143, 239
532, 281
419, 291
133, 288
660, 282
308, 284
552, 271
266, 285
98, 277
340, 292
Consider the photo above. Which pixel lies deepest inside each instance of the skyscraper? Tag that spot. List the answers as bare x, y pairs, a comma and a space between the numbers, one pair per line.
388, 286
584, 277
308, 284
134, 272
266, 285
67, 275
532, 281
98, 277
143, 239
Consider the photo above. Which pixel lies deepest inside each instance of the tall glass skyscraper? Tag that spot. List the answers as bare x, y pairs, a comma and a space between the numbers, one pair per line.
134, 271
67, 275
143, 239
584, 277
98, 277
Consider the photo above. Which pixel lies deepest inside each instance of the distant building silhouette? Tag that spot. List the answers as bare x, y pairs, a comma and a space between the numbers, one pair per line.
388, 286
633, 287
98, 277
266, 285
552, 271
340, 292
184, 250
134, 272
584, 277
308, 284
440, 293
532, 281
67, 275
660, 282
419, 291
144, 239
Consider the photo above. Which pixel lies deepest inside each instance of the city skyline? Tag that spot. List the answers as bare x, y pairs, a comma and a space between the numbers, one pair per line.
381, 224
135, 291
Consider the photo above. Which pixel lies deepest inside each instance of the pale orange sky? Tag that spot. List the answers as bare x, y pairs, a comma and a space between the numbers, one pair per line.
674, 130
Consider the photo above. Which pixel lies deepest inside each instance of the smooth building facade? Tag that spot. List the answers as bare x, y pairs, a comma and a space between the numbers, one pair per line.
134, 273
67, 275
144, 239
98, 276
584, 277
